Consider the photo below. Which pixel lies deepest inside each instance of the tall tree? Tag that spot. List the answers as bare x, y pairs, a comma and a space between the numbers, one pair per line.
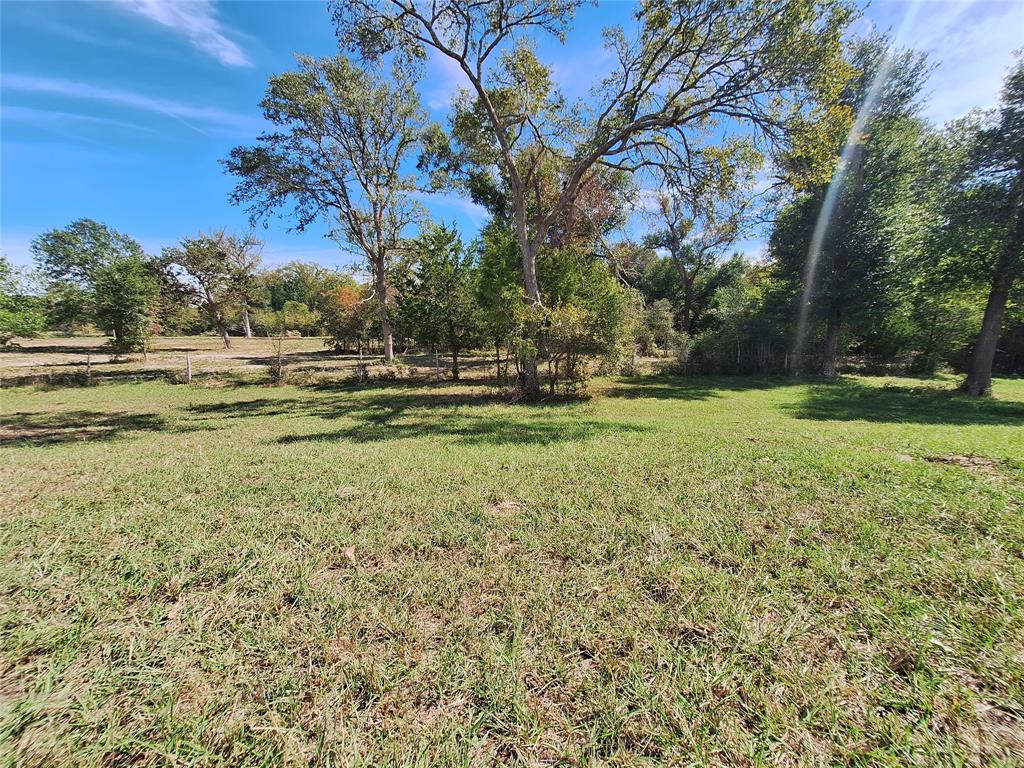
996, 174
244, 256
216, 267
21, 314
701, 215
338, 154
497, 286
689, 67
74, 253
840, 254
126, 290
97, 273
439, 299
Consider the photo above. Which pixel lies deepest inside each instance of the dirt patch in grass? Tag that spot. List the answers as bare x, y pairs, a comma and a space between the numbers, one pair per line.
981, 464
505, 508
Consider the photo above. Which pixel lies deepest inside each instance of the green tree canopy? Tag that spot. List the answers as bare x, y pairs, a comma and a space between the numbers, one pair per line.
342, 136
439, 301
688, 68
75, 252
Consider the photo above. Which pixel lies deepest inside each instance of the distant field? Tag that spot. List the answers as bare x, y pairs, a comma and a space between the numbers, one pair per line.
70, 360
674, 571
56, 357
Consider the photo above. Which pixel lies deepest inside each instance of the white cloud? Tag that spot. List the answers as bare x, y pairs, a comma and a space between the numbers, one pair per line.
442, 80
187, 113
754, 248
576, 71
197, 21
970, 42
476, 214
57, 117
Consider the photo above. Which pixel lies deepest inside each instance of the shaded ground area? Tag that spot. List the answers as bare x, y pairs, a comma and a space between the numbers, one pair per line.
669, 571
49, 428
855, 400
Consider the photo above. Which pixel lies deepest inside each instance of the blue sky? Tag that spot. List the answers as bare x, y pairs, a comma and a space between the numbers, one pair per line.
120, 111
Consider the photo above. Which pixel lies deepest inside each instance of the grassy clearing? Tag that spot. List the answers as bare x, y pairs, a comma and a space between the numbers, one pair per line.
675, 571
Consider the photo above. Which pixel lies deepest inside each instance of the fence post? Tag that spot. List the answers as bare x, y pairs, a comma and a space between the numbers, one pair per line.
88, 369
188, 368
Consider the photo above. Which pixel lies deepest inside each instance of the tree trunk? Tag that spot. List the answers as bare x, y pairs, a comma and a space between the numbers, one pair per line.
529, 379
529, 375
222, 328
246, 325
686, 321
455, 364
828, 364
979, 375
381, 280
215, 315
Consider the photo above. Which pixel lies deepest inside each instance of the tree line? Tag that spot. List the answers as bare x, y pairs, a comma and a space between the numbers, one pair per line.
893, 244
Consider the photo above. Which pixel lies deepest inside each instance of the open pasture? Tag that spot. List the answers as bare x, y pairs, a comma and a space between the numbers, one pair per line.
711, 571
60, 358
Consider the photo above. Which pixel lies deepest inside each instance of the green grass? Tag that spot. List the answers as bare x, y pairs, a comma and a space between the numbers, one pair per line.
676, 571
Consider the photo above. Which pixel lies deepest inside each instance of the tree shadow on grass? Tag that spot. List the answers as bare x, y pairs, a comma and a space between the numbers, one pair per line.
848, 400
75, 377
689, 388
293, 357
338, 401
467, 416
54, 428
23, 348
258, 407
469, 430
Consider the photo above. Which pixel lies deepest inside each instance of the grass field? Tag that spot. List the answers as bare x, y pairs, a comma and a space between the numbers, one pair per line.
674, 571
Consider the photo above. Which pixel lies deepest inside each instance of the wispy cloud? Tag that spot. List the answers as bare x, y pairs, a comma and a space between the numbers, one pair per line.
648, 200
576, 72
443, 78
970, 42
57, 116
191, 115
197, 21
462, 206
